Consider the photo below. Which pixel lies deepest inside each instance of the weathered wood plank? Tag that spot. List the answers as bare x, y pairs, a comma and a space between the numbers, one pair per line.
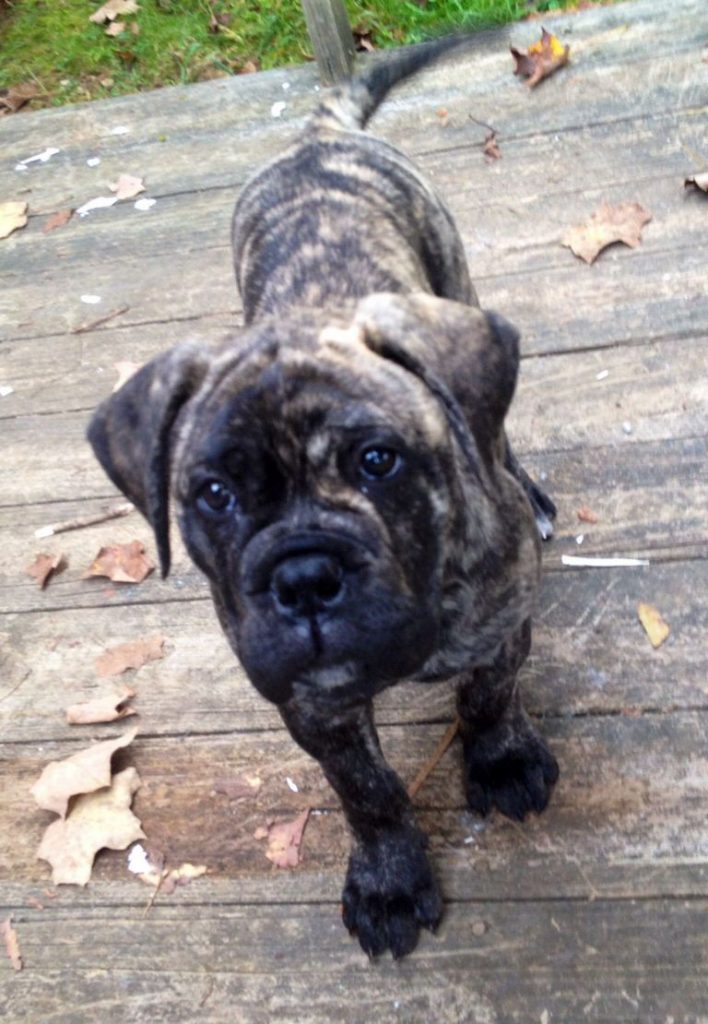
590, 656
650, 499
659, 389
627, 817
619, 962
226, 114
512, 234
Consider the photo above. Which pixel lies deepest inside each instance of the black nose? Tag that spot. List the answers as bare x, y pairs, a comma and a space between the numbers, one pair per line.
305, 584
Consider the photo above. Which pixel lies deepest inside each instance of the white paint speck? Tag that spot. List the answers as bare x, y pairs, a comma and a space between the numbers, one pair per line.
99, 203
138, 861
602, 563
91, 300
93, 161
292, 785
286, 86
470, 839
277, 109
580, 538
5, 390
602, 375
120, 129
38, 158
627, 427
144, 204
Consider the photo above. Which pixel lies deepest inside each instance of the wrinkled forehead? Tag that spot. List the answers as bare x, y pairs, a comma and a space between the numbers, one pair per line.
291, 396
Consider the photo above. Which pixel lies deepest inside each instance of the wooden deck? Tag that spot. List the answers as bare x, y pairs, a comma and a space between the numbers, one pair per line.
595, 911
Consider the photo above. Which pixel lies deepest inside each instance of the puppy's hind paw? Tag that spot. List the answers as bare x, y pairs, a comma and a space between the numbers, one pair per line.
515, 775
390, 893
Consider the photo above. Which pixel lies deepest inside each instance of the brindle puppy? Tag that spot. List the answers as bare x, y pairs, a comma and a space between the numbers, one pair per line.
341, 475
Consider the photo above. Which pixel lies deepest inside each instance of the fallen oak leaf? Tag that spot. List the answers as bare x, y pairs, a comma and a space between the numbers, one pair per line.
185, 873
44, 567
491, 147
102, 709
698, 181
84, 772
17, 95
127, 186
98, 820
134, 654
13, 216
57, 220
285, 839
586, 515
115, 28
12, 944
112, 9
609, 224
654, 626
122, 563
541, 59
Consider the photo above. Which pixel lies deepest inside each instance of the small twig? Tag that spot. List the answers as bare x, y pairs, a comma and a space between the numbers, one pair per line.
76, 524
483, 124
428, 767
153, 897
101, 320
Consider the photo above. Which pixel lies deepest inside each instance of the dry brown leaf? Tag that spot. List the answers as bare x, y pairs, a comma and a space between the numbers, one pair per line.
238, 787
44, 566
122, 563
11, 943
654, 626
541, 59
284, 841
586, 515
102, 709
57, 220
84, 772
127, 186
134, 654
98, 820
609, 224
115, 28
363, 42
17, 95
13, 216
112, 9
125, 371
491, 147
699, 181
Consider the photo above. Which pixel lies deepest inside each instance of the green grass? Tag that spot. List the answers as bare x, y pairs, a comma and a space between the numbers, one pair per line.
53, 44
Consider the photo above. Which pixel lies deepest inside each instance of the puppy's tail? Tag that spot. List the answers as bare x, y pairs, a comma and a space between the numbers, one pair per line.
351, 104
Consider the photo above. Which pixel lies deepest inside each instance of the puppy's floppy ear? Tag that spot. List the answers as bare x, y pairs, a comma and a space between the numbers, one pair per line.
130, 433
468, 358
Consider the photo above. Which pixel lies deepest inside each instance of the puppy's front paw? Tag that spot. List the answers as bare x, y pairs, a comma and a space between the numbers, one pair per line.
390, 893
511, 769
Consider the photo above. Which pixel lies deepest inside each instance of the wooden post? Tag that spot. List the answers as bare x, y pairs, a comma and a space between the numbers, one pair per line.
331, 37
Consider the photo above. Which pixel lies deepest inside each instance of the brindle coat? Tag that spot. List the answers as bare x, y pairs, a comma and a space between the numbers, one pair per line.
341, 475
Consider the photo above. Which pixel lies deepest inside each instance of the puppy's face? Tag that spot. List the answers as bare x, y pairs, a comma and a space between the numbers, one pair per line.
323, 482
313, 488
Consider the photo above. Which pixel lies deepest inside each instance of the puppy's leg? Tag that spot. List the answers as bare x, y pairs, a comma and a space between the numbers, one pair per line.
543, 507
389, 891
507, 762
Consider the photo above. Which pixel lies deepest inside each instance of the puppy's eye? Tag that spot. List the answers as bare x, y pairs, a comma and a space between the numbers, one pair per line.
378, 463
215, 498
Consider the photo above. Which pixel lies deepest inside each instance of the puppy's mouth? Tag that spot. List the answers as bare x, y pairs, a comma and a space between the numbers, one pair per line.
316, 602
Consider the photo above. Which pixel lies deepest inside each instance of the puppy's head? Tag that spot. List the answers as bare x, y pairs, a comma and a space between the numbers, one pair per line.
324, 479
